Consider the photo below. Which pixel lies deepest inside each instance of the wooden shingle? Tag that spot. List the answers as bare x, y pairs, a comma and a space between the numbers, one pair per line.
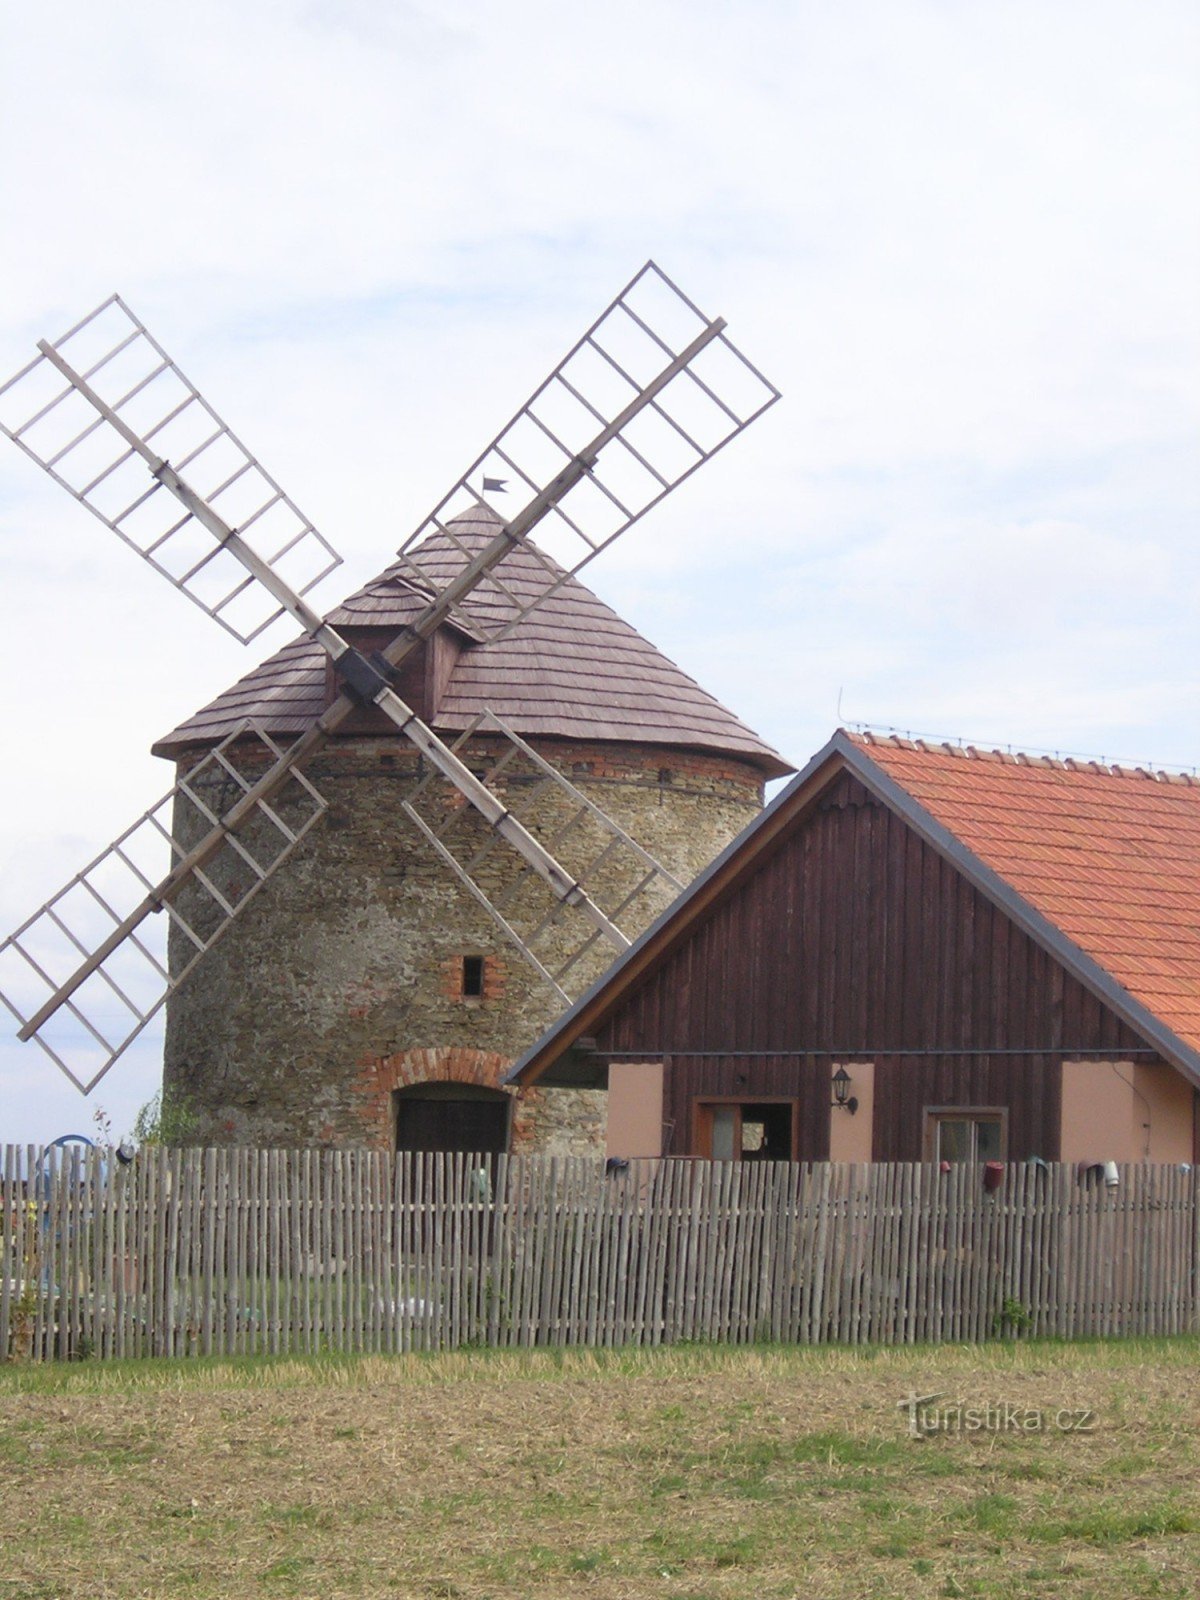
571, 670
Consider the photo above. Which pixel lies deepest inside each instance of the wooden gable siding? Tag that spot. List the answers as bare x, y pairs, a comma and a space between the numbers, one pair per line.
855, 939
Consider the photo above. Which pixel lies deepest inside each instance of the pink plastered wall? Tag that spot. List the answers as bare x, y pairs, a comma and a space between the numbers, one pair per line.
635, 1108
1119, 1111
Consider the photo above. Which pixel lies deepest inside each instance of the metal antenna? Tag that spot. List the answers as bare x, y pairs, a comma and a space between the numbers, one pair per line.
650, 392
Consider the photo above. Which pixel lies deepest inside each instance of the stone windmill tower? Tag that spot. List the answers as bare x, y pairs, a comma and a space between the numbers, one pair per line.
367, 995
505, 759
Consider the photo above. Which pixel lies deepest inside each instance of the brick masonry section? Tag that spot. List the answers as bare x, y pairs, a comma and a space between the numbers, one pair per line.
342, 980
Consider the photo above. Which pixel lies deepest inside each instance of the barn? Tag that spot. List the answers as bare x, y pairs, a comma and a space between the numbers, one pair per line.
366, 997
917, 952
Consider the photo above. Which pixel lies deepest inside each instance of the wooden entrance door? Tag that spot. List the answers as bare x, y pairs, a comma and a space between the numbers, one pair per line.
474, 1120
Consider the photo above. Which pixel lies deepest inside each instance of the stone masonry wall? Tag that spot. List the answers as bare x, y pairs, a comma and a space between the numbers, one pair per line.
341, 982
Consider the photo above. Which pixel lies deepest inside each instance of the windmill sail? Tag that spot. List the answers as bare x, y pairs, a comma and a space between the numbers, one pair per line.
84, 975
651, 392
104, 403
606, 859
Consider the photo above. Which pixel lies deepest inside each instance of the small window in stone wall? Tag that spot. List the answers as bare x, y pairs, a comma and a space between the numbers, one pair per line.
472, 977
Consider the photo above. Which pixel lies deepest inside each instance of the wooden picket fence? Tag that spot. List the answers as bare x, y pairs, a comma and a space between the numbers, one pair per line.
188, 1252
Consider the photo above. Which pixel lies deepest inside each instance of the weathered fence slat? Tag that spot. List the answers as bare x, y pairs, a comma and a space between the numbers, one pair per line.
236, 1251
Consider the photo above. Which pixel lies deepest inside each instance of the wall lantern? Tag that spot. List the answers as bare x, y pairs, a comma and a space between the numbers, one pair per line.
842, 1099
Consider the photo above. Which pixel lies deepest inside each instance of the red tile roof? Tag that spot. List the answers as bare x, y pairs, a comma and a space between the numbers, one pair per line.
1109, 855
571, 670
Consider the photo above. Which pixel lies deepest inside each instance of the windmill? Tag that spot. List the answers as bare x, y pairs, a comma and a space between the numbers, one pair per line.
649, 393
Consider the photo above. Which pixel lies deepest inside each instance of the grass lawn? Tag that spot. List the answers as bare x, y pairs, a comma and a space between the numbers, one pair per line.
701, 1473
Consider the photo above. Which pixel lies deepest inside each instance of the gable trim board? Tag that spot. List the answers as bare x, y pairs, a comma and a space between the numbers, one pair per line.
544, 1060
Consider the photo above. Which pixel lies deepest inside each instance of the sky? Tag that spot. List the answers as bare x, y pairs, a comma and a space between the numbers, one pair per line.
963, 240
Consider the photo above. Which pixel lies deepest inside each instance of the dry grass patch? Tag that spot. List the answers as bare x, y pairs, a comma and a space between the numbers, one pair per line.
702, 1473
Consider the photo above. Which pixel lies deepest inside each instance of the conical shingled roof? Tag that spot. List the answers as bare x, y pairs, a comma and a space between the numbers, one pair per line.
571, 670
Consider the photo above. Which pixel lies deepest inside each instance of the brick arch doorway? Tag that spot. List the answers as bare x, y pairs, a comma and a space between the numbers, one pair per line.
452, 1116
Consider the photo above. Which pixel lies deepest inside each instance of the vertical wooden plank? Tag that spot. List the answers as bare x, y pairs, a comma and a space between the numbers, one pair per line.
915, 1260
354, 1251
281, 1288
630, 1332
376, 1247
516, 1212
888, 1311
471, 1263
421, 1193
295, 1252
314, 1244
519, 1208
450, 1212
748, 1253
208, 1234
1075, 1200
706, 1242
1047, 1248
150, 1166
392, 1288
337, 1260
52, 1264
595, 1214
262, 1257
435, 1204
674, 1269
1180, 1269
169, 1200
718, 1250
658, 1290
256, 1307
176, 1304
950, 1198
877, 1312
349, 1273
402, 1251
242, 1292
876, 1231
820, 1201
593, 1247
643, 1185
420, 1173
148, 1252
119, 1184
610, 1192
566, 1303
34, 1276
939, 1252
693, 1238
11, 1268
372, 1302
840, 1248
219, 1201
494, 1254
68, 1314
85, 1313
775, 1275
